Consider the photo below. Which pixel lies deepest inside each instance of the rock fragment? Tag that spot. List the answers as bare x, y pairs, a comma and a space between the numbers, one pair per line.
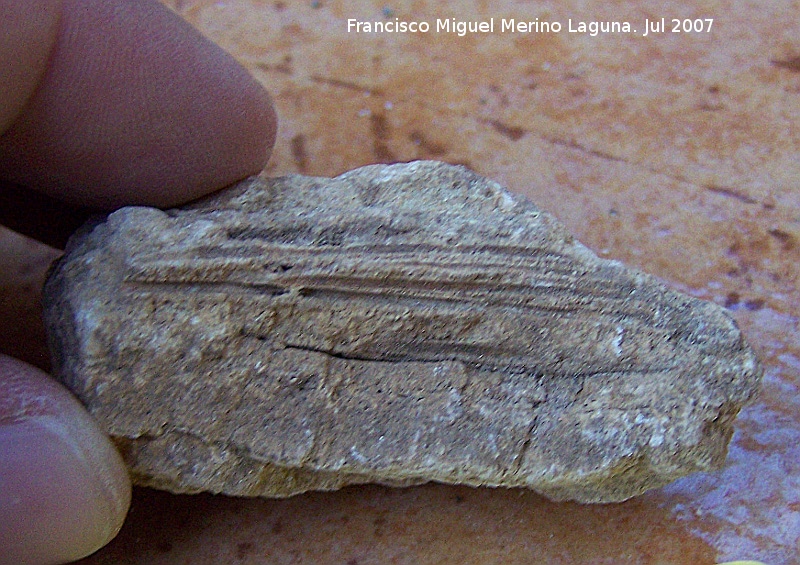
396, 324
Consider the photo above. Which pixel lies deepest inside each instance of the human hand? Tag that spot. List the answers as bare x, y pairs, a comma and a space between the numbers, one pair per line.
102, 103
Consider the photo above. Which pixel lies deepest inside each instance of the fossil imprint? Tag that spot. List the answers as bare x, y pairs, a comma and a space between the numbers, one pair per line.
396, 324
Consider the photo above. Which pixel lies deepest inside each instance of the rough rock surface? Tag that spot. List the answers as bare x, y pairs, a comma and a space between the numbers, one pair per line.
397, 324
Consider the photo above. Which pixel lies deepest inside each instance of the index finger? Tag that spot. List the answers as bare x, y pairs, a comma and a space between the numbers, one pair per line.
134, 106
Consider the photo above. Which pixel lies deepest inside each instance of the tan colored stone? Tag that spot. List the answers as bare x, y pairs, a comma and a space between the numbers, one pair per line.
397, 324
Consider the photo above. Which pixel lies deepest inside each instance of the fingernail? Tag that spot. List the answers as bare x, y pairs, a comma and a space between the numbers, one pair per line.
56, 503
64, 490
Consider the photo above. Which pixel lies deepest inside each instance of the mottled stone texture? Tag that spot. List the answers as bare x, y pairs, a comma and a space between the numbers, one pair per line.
397, 324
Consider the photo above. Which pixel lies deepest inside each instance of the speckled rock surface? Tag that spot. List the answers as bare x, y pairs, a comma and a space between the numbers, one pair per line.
397, 324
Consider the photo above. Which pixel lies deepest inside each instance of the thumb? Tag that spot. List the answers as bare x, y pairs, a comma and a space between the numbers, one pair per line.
64, 490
